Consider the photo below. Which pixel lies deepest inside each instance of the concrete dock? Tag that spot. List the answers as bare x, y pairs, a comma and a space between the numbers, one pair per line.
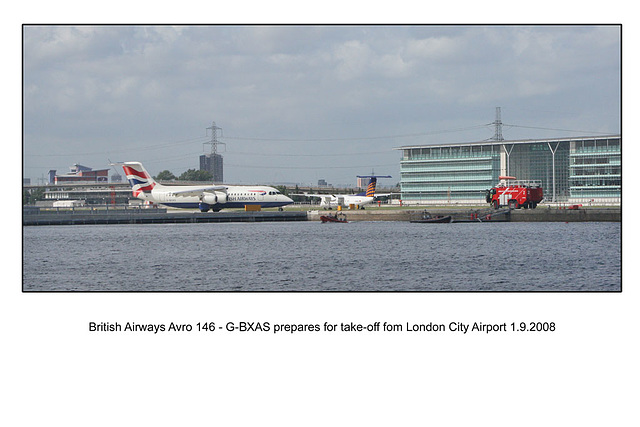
153, 216
162, 216
470, 215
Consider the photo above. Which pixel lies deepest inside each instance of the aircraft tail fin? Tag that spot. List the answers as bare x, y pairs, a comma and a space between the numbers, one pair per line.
139, 179
371, 188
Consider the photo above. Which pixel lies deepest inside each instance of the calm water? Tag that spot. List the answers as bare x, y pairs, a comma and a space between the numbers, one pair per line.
310, 256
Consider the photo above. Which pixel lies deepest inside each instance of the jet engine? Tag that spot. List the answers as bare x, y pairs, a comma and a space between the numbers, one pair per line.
209, 200
214, 198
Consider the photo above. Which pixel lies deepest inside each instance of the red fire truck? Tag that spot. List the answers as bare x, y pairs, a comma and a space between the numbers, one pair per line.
515, 194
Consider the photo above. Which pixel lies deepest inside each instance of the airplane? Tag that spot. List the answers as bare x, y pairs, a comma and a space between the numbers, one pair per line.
214, 197
329, 201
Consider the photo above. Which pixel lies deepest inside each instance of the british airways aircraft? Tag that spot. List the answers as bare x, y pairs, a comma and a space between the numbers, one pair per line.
214, 197
360, 199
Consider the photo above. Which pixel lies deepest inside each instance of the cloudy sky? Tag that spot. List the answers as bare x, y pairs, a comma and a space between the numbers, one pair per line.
300, 103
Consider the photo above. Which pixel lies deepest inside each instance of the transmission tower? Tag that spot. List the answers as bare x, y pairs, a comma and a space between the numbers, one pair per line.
213, 162
214, 138
497, 136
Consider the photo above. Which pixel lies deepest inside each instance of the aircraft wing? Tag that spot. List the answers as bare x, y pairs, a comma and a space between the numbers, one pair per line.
196, 191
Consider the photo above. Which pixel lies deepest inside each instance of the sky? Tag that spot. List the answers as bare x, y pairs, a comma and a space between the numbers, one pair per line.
299, 103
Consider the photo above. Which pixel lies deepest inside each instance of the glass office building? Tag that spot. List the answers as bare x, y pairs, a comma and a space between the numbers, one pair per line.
573, 170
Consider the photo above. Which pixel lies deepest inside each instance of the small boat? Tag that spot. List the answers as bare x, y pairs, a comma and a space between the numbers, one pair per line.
436, 219
340, 217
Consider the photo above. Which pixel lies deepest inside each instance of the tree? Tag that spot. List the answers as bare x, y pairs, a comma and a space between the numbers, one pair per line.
165, 175
31, 197
196, 175
283, 189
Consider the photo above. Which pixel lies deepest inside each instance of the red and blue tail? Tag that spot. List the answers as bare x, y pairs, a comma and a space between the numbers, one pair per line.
139, 179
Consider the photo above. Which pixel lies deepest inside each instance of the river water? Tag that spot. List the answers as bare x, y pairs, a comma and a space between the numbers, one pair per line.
311, 256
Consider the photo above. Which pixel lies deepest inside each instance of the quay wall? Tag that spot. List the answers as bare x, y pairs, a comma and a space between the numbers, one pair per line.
516, 215
157, 217
34, 217
566, 215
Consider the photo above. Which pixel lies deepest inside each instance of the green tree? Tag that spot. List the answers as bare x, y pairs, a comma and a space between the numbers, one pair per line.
165, 175
31, 197
283, 189
196, 175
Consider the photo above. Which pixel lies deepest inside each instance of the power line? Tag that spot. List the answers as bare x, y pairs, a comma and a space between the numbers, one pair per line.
313, 167
359, 153
129, 148
366, 138
561, 130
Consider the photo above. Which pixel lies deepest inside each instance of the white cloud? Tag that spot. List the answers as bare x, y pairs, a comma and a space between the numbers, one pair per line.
103, 87
433, 48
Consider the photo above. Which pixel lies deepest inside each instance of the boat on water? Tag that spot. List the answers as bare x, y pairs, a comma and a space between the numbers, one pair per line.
339, 217
427, 218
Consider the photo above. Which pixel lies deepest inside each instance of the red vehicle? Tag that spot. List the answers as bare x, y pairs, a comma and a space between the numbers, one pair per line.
515, 194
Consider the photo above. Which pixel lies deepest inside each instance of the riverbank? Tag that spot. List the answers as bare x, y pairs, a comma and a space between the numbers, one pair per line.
153, 216
459, 214
464, 214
